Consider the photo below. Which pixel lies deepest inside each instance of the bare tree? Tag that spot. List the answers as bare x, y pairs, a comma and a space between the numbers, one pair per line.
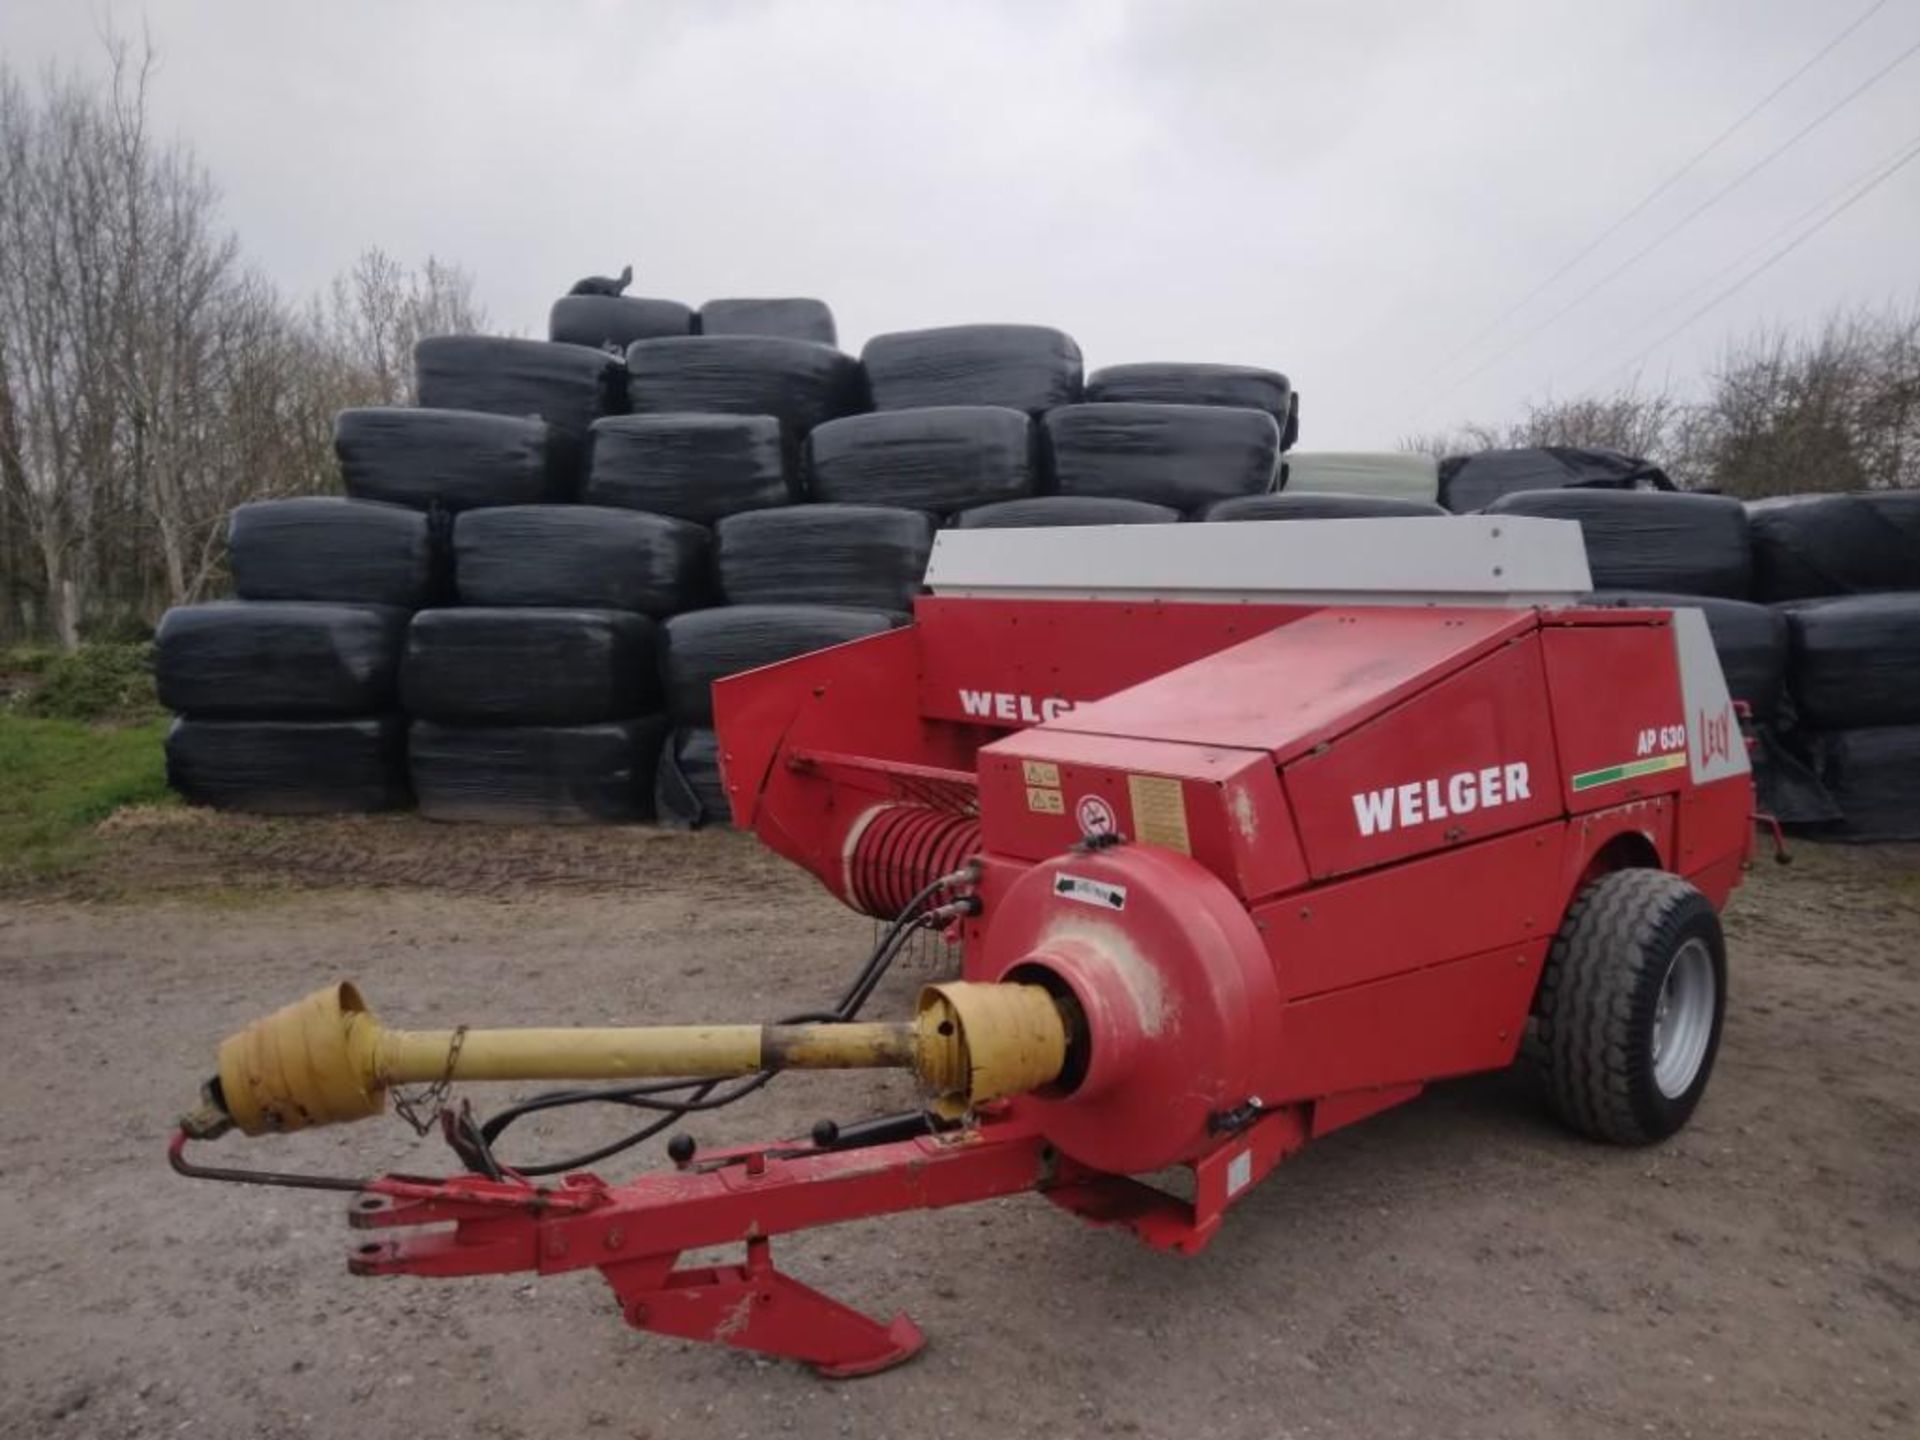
1782, 412
149, 381
375, 313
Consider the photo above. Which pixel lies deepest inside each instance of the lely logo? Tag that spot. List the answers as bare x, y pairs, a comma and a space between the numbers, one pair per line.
1716, 736
1095, 815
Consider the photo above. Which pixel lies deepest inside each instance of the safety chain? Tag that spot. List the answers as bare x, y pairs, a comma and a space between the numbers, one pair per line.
409, 1107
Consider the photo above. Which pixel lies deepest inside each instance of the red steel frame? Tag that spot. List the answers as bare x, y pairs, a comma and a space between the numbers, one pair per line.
1268, 719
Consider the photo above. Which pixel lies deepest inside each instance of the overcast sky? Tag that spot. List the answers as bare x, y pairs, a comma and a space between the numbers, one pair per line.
1349, 192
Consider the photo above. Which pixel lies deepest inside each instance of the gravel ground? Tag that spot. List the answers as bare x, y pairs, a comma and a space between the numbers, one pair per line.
1454, 1268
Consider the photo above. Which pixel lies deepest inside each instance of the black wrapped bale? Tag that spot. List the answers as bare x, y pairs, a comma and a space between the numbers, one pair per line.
944, 458
290, 767
1650, 540
1245, 387
1873, 775
284, 659
795, 381
701, 468
1179, 455
615, 321
1473, 482
1290, 430
1050, 510
787, 319
1856, 660
320, 547
528, 667
579, 556
703, 646
1812, 545
1019, 367
868, 557
1315, 507
568, 386
455, 459
1751, 641
537, 774
688, 791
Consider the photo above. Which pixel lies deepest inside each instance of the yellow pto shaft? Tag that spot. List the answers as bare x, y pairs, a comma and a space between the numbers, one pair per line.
326, 1058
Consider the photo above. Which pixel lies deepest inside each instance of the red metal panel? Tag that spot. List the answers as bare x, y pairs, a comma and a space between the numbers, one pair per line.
1297, 686
1357, 931
1617, 710
1715, 835
1465, 759
1042, 791
1013, 663
1448, 1019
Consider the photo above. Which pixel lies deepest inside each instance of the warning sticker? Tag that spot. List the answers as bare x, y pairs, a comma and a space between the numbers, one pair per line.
1040, 772
1043, 801
1090, 892
1159, 812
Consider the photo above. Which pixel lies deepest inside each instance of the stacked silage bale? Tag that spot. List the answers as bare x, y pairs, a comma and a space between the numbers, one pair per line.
285, 697
1844, 571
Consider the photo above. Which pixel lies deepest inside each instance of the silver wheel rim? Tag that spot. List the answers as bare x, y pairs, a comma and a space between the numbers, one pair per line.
1683, 1019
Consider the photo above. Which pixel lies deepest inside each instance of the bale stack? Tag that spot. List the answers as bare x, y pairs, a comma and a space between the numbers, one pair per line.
543, 566
285, 697
1844, 570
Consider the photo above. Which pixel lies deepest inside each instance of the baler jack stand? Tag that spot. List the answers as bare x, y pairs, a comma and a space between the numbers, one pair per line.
635, 1233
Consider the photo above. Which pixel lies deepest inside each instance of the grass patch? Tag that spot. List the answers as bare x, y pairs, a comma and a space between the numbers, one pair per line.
60, 778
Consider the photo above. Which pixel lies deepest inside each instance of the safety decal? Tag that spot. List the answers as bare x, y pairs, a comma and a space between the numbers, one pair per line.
1042, 801
1090, 892
1631, 770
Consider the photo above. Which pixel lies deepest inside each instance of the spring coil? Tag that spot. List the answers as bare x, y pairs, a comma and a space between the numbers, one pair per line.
900, 850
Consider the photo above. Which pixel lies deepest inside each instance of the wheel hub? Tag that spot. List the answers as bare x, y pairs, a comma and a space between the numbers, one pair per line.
1683, 1019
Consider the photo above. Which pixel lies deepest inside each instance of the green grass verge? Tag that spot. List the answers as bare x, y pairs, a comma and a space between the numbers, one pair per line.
61, 778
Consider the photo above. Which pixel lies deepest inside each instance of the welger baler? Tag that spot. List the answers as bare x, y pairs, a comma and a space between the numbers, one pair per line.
1245, 832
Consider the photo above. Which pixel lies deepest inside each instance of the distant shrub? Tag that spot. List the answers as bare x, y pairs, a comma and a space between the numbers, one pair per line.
95, 682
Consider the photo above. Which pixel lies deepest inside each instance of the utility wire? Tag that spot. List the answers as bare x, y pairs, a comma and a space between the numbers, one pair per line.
1872, 176
1685, 220
1665, 185
1782, 253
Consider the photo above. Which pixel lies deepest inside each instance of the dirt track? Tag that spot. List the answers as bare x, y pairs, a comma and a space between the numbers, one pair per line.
1455, 1268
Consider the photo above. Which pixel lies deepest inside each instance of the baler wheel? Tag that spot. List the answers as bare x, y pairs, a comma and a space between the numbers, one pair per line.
1628, 1016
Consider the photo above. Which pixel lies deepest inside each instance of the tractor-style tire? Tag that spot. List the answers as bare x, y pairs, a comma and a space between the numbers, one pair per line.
1628, 1016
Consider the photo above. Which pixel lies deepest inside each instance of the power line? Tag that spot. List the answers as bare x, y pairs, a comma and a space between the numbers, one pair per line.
1781, 253
1685, 220
1872, 176
1665, 185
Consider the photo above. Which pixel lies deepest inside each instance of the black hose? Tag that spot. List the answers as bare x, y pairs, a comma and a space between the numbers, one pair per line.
475, 1140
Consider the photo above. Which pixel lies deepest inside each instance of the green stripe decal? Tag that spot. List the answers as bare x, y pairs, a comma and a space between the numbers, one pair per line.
1632, 770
